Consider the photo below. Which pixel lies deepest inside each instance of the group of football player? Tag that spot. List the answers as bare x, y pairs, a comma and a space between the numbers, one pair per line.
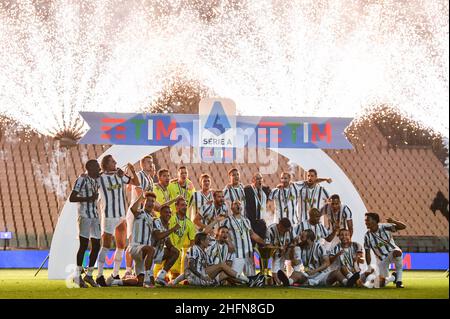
173, 234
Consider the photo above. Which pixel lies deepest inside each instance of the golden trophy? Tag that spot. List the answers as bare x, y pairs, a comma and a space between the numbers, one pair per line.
265, 253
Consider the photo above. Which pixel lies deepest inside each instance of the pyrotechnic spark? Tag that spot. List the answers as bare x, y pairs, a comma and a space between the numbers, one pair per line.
317, 58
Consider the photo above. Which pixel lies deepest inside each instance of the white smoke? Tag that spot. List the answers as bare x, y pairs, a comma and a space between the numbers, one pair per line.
52, 175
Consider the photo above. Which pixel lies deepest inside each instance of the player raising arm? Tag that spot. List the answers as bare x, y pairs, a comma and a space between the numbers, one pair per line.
140, 248
379, 240
113, 203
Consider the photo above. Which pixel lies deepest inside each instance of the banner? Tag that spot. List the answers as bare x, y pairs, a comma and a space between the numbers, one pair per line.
34, 258
216, 126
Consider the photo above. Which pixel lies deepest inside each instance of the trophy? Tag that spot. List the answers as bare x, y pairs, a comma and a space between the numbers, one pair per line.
265, 253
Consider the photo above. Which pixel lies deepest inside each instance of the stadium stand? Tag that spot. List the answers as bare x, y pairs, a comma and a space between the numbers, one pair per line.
401, 182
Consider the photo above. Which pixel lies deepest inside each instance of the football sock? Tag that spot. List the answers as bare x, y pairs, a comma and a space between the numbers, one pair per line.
179, 279
147, 275
118, 256
291, 281
78, 271
101, 260
90, 270
399, 267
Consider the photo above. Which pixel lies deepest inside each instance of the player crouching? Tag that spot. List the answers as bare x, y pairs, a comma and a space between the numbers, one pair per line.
140, 248
202, 271
147, 234
315, 263
348, 257
379, 239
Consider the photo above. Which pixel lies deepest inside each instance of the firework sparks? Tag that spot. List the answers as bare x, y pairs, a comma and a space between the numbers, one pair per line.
321, 58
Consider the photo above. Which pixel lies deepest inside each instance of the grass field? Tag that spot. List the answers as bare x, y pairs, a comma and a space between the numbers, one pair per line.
23, 284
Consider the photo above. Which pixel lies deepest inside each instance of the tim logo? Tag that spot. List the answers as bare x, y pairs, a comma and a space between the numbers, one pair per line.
217, 123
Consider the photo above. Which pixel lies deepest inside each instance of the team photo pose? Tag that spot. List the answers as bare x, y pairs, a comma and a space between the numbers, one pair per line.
379, 240
280, 235
146, 184
184, 237
241, 237
208, 212
203, 272
85, 193
313, 223
256, 195
314, 259
140, 247
113, 208
235, 189
311, 194
182, 186
201, 197
348, 257
338, 215
166, 254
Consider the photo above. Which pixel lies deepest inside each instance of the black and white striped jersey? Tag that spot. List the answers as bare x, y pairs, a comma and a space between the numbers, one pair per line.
312, 257
86, 186
160, 244
199, 258
240, 230
209, 212
319, 229
218, 253
381, 242
286, 202
348, 257
145, 183
340, 218
199, 200
311, 197
231, 194
273, 237
142, 229
112, 194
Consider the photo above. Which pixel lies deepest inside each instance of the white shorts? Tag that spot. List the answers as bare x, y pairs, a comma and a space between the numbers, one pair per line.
383, 265
130, 221
319, 279
89, 227
109, 225
135, 252
245, 265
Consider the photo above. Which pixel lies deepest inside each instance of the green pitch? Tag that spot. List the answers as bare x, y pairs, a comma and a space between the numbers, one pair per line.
23, 284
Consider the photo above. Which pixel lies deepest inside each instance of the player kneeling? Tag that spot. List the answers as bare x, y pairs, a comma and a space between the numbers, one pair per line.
203, 272
140, 248
315, 263
147, 234
165, 251
379, 239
